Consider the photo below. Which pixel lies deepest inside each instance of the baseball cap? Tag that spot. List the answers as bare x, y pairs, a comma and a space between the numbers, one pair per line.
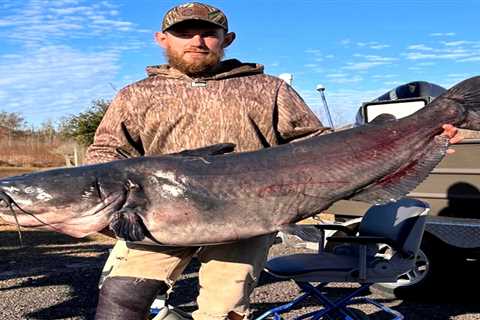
194, 11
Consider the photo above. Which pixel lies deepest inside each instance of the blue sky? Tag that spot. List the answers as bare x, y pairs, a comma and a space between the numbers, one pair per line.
56, 56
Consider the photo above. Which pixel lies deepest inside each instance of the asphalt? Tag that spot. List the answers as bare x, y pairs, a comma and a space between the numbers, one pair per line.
56, 277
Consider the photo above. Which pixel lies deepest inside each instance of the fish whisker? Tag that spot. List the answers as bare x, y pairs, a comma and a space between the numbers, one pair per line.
11, 204
9, 201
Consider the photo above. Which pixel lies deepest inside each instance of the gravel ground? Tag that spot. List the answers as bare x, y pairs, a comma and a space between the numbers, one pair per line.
55, 277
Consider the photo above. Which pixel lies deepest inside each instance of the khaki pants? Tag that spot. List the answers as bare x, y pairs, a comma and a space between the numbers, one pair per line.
227, 276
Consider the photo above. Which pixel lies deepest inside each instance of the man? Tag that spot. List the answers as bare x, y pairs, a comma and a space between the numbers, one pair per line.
194, 101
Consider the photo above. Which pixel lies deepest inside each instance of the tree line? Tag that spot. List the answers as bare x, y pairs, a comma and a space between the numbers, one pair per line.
80, 127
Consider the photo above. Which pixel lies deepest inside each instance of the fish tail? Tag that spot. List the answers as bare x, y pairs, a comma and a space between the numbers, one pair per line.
467, 96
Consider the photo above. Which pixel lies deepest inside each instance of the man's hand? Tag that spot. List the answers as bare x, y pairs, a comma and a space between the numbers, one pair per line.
451, 132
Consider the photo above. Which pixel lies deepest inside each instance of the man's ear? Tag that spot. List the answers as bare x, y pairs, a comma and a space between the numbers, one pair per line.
161, 39
229, 37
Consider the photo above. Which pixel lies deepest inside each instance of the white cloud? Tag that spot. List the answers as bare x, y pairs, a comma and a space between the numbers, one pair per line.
374, 58
313, 51
458, 75
457, 43
440, 34
337, 75
373, 45
471, 59
439, 55
44, 22
363, 65
47, 74
426, 64
421, 47
379, 46
459, 51
317, 54
52, 80
370, 61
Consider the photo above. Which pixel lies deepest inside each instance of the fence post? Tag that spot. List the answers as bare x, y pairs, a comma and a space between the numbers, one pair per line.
75, 155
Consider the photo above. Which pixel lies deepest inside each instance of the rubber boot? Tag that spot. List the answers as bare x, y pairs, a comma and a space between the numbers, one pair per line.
127, 298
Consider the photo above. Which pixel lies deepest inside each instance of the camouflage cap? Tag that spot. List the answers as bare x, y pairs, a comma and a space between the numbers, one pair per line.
194, 11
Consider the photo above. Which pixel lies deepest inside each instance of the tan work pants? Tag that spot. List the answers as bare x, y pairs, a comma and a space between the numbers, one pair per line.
227, 276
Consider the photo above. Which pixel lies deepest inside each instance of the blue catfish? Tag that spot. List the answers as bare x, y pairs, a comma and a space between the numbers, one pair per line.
208, 196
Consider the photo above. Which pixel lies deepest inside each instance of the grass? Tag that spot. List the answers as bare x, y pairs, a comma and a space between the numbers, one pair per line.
33, 151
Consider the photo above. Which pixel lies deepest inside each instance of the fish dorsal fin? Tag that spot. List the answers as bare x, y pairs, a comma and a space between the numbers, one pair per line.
405, 179
211, 150
382, 118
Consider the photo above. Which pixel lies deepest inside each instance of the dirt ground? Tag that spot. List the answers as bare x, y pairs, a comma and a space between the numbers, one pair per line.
55, 277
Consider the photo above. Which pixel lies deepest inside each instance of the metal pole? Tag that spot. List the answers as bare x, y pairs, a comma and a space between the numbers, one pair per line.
321, 89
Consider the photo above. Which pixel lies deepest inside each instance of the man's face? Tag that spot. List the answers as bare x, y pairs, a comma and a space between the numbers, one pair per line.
194, 47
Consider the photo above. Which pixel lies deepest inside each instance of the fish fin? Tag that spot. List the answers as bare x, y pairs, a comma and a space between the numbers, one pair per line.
211, 150
303, 231
399, 183
467, 95
382, 118
466, 92
127, 225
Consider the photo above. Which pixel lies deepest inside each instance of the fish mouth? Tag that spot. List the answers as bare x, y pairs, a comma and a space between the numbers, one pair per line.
7, 204
71, 221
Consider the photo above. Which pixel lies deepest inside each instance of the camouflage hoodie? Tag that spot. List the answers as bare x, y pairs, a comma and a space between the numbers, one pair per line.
169, 111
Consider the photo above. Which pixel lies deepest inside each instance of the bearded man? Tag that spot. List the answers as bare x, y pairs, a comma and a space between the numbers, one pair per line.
193, 101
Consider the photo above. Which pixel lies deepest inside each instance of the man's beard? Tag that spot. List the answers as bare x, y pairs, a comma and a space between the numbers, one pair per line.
197, 68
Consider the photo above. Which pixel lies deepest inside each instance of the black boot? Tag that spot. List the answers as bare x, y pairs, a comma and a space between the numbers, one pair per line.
127, 298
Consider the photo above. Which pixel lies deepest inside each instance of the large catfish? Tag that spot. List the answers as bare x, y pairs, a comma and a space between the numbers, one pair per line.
196, 198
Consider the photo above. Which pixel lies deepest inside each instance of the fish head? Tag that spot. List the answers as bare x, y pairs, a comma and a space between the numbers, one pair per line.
62, 200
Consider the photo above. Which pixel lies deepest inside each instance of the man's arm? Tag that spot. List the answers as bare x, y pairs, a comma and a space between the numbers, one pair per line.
295, 119
118, 132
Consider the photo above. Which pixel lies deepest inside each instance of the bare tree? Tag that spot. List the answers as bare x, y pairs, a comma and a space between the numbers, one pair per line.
12, 120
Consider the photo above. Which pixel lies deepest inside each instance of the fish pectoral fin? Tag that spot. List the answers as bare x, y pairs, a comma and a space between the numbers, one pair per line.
211, 150
127, 225
405, 179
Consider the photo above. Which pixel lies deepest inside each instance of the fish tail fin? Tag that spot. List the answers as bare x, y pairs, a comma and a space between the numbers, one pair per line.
467, 95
